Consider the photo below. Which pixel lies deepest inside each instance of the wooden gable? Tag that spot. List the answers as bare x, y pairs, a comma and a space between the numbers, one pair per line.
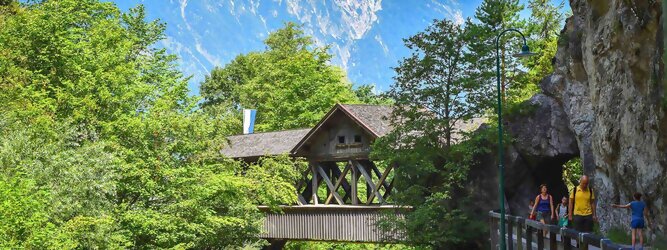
339, 135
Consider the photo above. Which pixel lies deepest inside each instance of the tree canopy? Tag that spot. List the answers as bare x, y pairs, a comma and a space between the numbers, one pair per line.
447, 81
291, 83
103, 148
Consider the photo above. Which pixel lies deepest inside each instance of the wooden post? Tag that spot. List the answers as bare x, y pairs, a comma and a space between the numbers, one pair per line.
315, 185
529, 237
583, 245
510, 228
369, 189
540, 239
553, 238
355, 181
519, 233
326, 173
567, 240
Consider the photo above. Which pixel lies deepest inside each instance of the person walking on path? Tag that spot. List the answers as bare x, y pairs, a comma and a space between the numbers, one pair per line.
531, 204
639, 210
545, 207
561, 212
582, 206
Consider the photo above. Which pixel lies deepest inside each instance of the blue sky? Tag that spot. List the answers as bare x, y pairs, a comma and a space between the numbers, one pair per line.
365, 35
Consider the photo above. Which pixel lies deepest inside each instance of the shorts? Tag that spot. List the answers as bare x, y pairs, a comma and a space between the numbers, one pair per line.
637, 224
546, 216
583, 223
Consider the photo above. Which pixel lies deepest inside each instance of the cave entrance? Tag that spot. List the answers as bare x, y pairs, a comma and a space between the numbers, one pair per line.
560, 174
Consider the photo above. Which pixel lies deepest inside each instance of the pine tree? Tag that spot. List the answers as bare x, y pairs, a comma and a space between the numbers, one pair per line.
545, 22
494, 16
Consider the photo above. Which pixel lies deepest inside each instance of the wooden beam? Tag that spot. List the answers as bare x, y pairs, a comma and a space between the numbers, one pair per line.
326, 171
307, 192
377, 172
355, 180
383, 177
346, 185
369, 182
329, 184
341, 177
315, 184
300, 199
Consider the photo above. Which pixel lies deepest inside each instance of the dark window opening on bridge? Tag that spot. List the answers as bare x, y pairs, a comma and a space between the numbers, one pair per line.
341, 139
357, 138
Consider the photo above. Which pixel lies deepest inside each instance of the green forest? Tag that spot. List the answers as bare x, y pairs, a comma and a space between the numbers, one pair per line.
103, 147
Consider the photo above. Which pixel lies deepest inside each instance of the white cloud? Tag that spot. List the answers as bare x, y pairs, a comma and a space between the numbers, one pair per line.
450, 9
210, 58
254, 5
261, 18
358, 15
182, 51
356, 18
343, 53
346, 21
378, 38
198, 46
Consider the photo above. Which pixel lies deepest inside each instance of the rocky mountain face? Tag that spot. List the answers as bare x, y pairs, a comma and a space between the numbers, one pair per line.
605, 102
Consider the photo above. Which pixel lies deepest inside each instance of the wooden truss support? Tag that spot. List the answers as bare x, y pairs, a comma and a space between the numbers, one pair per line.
336, 173
340, 180
302, 181
369, 183
307, 191
381, 182
377, 172
332, 189
330, 173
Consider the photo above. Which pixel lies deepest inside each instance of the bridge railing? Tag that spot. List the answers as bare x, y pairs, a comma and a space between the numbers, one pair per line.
524, 234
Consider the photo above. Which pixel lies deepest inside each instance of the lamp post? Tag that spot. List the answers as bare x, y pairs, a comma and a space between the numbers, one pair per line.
525, 52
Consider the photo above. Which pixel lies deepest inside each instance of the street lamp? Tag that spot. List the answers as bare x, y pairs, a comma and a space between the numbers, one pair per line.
525, 52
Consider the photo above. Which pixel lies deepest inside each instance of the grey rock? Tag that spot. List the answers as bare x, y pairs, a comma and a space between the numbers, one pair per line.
607, 79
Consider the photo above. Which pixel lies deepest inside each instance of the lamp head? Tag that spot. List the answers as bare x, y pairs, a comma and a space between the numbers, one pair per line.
525, 52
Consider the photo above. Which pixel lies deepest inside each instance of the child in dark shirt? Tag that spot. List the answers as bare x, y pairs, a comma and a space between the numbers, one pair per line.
639, 220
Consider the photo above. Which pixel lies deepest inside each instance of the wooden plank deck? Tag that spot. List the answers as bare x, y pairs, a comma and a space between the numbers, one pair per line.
341, 223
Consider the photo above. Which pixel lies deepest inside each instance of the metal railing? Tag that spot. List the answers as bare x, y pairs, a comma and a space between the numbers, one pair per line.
523, 234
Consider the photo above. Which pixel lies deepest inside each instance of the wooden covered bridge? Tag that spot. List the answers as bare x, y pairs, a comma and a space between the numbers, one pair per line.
343, 193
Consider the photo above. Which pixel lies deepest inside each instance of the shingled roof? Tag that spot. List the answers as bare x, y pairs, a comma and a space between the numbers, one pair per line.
373, 117
261, 144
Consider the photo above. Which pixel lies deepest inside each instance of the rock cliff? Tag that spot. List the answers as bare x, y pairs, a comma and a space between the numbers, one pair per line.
607, 87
